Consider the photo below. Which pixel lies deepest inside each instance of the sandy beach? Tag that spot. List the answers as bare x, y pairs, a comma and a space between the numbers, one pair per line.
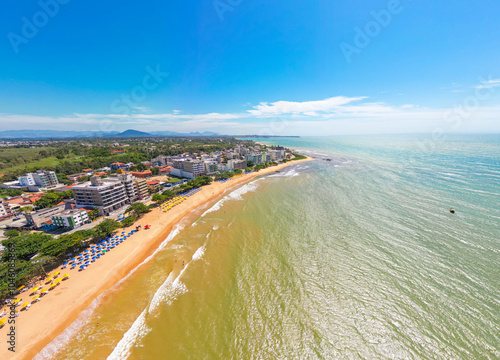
48, 318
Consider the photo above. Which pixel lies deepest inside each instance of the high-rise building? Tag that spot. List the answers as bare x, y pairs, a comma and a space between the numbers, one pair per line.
108, 194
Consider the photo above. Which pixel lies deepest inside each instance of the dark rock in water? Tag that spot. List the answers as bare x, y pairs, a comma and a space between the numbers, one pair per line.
452, 211
328, 159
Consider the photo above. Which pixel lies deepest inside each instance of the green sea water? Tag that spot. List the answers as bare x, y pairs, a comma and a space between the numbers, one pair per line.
352, 256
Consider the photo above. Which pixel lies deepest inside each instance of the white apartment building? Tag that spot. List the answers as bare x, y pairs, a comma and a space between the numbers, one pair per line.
70, 218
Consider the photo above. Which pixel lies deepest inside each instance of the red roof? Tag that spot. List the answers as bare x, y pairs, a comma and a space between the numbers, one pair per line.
117, 163
87, 170
152, 182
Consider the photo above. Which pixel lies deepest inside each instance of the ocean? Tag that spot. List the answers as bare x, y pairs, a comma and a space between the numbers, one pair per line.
352, 256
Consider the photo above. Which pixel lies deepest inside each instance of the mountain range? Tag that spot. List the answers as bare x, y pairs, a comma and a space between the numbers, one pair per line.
60, 134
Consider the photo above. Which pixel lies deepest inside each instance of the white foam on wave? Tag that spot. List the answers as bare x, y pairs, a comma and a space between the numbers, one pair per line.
199, 253
289, 173
167, 293
234, 195
58, 343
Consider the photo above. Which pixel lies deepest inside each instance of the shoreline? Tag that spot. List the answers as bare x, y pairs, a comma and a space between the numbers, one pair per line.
62, 306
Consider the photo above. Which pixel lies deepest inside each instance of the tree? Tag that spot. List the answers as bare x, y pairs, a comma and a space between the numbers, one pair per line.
26, 209
137, 209
106, 228
141, 167
128, 221
11, 233
94, 213
158, 198
155, 171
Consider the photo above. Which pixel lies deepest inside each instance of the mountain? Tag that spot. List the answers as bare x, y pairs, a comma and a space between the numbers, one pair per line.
131, 133
61, 134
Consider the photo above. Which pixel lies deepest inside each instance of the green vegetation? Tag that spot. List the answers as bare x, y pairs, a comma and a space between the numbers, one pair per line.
53, 198
128, 221
10, 192
33, 251
137, 209
11, 233
106, 228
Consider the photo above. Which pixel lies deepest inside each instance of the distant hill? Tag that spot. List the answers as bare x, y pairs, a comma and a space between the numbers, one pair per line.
60, 134
132, 133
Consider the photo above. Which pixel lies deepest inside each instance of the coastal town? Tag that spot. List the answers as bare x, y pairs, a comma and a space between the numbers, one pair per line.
48, 218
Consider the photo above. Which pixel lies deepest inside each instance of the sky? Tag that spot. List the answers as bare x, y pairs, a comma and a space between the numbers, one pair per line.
294, 67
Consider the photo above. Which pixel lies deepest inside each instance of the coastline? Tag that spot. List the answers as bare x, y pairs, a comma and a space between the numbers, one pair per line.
63, 305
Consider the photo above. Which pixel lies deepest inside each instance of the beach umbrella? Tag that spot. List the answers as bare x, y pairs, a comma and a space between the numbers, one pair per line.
35, 290
74, 259
82, 266
57, 281
36, 298
2, 322
57, 273
52, 286
44, 291
65, 264
87, 262
49, 280
20, 288
25, 304
66, 276
16, 301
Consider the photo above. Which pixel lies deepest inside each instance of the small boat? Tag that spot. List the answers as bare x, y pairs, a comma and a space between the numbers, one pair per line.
452, 211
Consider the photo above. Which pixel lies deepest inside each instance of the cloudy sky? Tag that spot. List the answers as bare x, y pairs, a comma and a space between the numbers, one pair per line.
296, 67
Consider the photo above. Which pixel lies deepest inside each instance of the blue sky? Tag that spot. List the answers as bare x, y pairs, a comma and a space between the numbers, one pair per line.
296, 67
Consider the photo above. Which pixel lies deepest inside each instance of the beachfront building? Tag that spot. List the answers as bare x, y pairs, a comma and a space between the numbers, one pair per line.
187, 168
254, 158
141, 186
211, 167
130, 189
38, 218
236, 164
107, 194
5, 210
70, 219
276, 155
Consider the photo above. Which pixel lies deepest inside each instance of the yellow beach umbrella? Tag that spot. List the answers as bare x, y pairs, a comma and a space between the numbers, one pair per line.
2, 322
57, 273
57, 281
49, 280
16, 301
35, 289
20, 288
52, 286
25, 304
66, 276
44, 291
35, 298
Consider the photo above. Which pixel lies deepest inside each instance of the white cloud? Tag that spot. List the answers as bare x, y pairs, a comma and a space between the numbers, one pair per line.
291, 107
488, 84
335, 115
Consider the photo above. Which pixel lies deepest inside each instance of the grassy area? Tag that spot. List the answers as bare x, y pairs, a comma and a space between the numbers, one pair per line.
34, 165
